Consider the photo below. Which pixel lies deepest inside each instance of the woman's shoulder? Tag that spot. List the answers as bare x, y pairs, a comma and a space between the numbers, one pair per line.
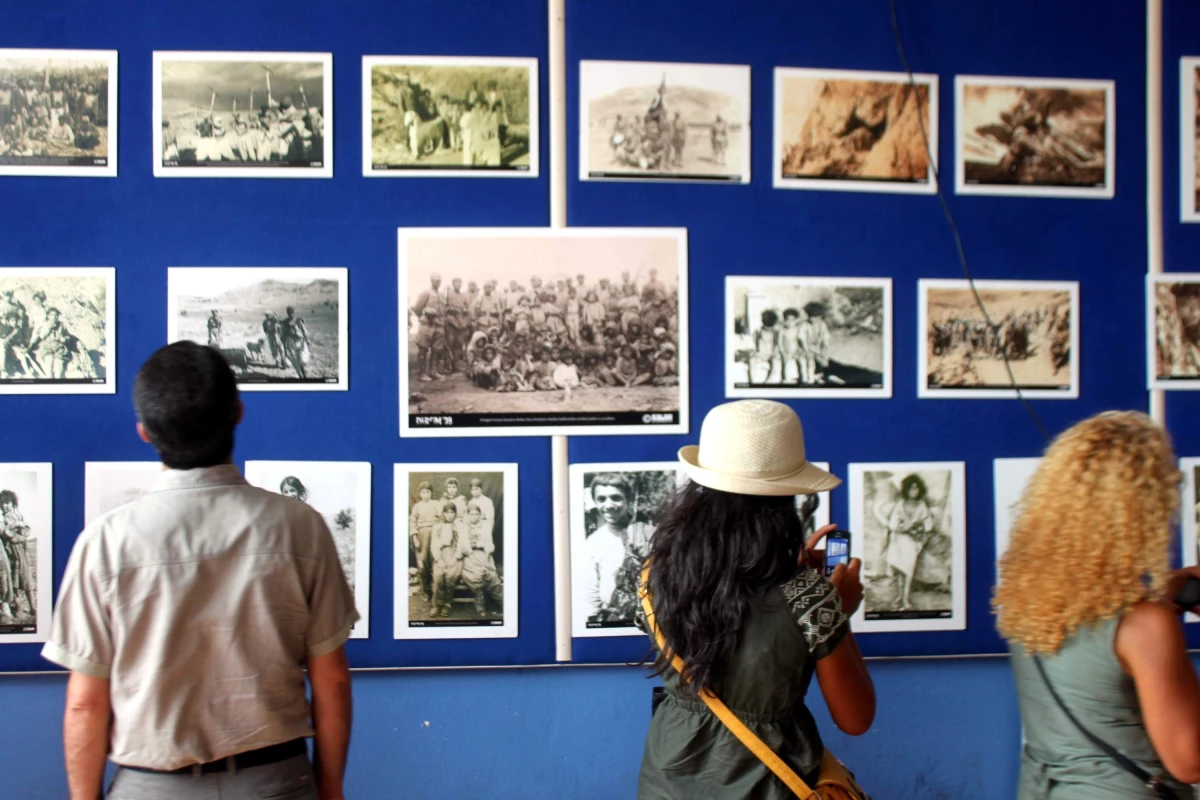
816, 607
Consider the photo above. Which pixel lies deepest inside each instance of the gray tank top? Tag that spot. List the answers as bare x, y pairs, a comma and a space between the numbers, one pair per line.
1057, 761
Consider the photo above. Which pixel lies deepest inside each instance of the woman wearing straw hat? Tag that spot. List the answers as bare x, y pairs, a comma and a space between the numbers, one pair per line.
740, 597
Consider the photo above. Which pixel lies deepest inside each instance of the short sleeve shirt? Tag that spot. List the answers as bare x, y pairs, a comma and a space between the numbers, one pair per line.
200, 603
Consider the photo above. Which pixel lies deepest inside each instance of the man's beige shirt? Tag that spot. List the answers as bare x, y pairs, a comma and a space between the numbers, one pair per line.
199, 603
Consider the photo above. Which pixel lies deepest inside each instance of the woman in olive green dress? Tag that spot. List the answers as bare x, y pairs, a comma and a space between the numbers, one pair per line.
739, 597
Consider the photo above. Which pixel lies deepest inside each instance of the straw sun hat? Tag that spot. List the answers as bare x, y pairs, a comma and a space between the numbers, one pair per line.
754, 447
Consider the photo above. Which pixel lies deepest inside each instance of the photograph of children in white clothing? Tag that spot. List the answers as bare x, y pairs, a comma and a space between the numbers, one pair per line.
455, 524
791, 337
614, 511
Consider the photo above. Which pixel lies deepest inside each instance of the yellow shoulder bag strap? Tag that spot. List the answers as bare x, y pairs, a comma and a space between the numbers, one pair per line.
714, 703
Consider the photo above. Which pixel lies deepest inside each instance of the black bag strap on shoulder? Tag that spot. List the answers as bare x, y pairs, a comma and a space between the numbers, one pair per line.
1154, 783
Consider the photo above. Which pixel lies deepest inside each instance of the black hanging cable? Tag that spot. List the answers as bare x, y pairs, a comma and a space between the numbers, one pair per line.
958, 243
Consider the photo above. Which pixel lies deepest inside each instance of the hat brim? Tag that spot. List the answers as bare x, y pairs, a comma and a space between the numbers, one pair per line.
809, 479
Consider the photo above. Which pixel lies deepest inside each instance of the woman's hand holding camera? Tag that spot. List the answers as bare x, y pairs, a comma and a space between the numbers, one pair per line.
845, 577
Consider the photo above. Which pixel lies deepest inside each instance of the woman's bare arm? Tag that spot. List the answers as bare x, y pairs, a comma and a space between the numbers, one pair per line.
842, 675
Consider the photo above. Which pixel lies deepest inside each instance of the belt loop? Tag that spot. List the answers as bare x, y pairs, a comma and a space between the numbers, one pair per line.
231, 764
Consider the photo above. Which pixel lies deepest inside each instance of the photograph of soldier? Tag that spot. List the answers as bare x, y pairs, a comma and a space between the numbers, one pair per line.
1033, 332
55, 326
243, 114
855, 131
111, 484
25, 551
1175, 336
448, 115
664, 121
55, 107
341, 492
1189, 110
808, 337
1032, 136
279, 327
590, 330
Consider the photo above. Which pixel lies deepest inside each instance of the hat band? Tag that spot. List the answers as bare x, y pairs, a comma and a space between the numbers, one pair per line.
764, 475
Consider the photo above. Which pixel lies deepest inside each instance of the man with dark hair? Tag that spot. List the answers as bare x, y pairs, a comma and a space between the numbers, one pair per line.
187, 617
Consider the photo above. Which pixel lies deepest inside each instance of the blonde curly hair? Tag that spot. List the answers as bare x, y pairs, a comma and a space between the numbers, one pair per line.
1092, 531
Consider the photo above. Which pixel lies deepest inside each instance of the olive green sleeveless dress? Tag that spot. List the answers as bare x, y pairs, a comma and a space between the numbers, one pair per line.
691, 755
1057, 761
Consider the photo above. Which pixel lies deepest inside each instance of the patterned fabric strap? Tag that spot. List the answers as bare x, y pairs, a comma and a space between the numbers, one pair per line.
747, 737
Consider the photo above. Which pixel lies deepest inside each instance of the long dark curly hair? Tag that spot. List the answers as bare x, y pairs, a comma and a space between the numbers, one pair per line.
714, 554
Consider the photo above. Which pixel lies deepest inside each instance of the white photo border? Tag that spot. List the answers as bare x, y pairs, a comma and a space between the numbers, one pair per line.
370, 62
92, 470
882, 393
1188, 210
679, 235
957, 621
339, 274
1006, 472
161, 56
109, 170
1105, 192
510, 629
42, 520
962, 284
1188, 534
928, 186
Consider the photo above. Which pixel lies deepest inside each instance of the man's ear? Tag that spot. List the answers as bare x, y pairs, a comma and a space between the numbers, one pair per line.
141, 429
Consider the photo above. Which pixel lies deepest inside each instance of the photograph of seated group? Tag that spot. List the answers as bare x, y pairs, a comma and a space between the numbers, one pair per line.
729, 401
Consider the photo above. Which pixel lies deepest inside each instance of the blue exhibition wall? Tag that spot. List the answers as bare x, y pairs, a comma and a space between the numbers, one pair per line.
142, 226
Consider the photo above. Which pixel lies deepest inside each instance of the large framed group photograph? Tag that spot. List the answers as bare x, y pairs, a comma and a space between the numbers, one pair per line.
243, 115
57, 330
456, 551
108, 485
856, 131
1030, 328
664, 121
280, 328
1173, 334
1189, 137
909, 524
808, 337
58, 113
340, 491
1035, 137
540, 331
26, 550
450, 116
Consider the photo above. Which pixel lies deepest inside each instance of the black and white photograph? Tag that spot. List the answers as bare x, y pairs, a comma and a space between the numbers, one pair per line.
1035, 137
1189, 137
340, 491
808, 337
243, 115
664, 121
1173, 337
1030, 328
541, 331
1189, 515
25, 552
855, 131
441, 116
58, 113
108, 485
814, 508
909, 529
614, 511
57, 330
1010, 477
455, 551
280, 328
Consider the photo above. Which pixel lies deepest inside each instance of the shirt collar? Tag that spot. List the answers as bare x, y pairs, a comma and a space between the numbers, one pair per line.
200, 478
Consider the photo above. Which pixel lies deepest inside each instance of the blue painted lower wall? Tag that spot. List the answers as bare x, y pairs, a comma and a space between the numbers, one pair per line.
945, 729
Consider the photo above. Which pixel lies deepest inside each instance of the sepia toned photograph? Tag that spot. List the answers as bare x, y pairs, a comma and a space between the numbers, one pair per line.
808, 337
539, 331
1189, 137
614, 511
664, 121
1031, 328
58, 113
909, 525
450, 116
340, 491
26, 552
280, 328
1010, 477
847, 130
108, 485
243, 115
1173, 337
455, 551
57, 330
1035, 137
